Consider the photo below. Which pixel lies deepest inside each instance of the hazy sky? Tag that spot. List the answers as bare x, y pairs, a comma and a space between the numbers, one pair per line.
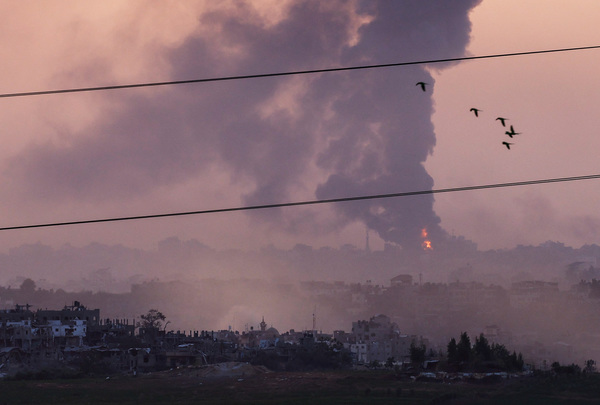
204, 146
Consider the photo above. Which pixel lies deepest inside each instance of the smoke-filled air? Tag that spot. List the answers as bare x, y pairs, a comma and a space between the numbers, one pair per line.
327, 135
437, 264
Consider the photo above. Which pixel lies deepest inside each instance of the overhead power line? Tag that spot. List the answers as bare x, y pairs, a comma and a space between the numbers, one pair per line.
298, 72
312, 202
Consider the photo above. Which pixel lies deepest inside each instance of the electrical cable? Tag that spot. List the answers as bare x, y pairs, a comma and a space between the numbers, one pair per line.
298, 72
312, 202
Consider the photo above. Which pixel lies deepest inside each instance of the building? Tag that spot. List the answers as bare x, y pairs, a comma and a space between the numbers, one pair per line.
378, 339
401, 280
526, 293
69, 313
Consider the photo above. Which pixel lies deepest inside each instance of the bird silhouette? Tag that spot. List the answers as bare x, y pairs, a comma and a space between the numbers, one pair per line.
507, 144
512, 132
502, 120
422, 84
475, 111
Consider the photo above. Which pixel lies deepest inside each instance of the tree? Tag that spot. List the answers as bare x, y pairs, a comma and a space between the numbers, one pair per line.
417, 353
482, 348
482, 356
452, 352
590, 366
152, 320
520, 363
572, 369
463, 348
499, 351
28, 286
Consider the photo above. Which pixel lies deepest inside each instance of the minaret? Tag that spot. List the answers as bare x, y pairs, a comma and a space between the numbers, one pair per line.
263, 325
367, 247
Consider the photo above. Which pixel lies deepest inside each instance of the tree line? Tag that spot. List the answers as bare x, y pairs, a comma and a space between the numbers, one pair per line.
463, 355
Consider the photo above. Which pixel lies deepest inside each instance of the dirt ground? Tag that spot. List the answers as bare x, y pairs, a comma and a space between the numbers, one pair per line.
246, 378
242, 383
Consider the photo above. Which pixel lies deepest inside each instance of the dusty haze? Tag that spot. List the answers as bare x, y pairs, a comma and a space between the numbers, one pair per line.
272, 140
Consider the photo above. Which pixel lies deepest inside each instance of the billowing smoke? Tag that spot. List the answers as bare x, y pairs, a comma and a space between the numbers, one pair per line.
382, 149
335, 134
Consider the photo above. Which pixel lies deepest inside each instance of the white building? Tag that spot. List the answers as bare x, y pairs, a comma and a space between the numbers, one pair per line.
72, 331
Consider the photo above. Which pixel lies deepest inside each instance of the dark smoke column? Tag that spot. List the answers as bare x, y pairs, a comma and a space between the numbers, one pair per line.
382, 127
336, 134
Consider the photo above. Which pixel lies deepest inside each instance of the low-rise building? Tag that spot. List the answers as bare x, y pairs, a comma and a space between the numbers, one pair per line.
378, 339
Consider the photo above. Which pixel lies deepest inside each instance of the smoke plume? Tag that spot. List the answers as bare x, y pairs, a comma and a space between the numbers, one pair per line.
328, 135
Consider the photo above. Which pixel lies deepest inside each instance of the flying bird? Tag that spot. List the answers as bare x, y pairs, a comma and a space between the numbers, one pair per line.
501, 119
507, 144
422, 84
475, 111
512, 132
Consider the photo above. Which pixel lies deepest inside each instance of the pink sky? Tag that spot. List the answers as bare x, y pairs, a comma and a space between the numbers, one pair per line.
83, 156
552, 99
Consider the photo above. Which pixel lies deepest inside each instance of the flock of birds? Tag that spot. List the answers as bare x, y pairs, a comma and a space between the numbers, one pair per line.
510, 133
502, 120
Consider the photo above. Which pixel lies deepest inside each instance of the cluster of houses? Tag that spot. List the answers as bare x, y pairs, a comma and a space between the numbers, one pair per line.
515, 316
72, 326
46, 337
76, 335
79, 336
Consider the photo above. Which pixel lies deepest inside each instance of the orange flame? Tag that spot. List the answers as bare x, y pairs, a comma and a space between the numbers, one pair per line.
426, 243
